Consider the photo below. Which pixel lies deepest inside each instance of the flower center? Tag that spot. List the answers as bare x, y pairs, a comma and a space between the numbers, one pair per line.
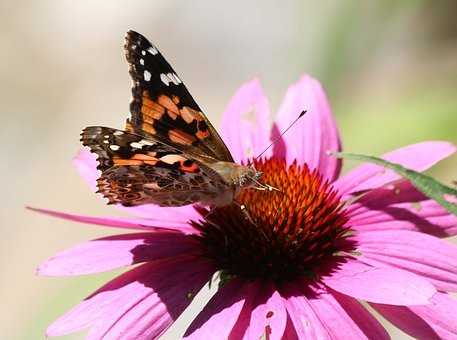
275, 234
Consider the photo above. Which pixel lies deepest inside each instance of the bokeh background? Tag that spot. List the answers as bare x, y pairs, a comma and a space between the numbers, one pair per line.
390, 69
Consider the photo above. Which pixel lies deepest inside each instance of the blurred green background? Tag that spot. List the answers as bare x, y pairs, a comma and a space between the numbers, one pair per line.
390, 69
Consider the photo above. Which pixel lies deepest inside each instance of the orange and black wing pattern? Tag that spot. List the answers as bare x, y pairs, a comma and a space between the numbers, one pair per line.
139, 171
162, 108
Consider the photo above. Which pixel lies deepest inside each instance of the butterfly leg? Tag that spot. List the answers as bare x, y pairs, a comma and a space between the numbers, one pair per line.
244, 211
265, 187
207, 218
272, 188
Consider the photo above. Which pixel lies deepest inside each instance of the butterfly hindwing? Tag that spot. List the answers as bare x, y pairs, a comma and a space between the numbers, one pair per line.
162, 107
140, 171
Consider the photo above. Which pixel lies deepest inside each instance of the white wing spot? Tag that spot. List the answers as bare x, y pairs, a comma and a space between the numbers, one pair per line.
136, 145
143, 52
147, 75
170, 78
114, 147
118, 133
176, 79
153, 50
165, 79
106, 141
142, 61
146, 142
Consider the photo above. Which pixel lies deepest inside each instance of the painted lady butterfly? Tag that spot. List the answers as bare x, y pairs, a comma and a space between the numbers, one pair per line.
169, 153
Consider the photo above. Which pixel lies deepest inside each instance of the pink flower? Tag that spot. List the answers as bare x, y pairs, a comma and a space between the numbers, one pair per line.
297, 264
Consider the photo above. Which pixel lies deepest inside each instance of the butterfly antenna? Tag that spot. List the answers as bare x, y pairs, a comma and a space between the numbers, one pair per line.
282, 134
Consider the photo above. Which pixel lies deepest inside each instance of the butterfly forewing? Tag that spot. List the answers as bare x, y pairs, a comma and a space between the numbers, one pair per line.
170, 154
162, 107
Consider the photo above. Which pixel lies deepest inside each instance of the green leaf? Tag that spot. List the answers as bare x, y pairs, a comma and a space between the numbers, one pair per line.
426, 184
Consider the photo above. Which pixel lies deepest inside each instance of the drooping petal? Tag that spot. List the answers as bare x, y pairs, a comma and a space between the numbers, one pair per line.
418, 157
341, 314
263, 313
268, 316
218, 317
433, 321
141, 303
122, 222
91, 309
306, 322
309, 140
424, 255
86, 164
245, 122
112, 252
379, 284
401, 207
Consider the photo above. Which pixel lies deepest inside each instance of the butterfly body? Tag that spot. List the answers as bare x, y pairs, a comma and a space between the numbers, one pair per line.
169, 153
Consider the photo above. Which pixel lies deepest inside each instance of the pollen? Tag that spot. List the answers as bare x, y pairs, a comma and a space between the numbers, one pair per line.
276, 234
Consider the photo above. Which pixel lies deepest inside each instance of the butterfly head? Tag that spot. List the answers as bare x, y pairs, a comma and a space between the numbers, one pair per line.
249, 177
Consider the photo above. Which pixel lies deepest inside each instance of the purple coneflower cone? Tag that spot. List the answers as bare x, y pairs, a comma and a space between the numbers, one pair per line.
296, 262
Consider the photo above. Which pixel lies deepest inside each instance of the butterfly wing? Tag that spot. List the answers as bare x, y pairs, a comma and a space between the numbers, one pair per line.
163, 109
138, 171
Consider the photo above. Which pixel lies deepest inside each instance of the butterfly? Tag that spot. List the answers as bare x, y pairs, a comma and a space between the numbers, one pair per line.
169, 154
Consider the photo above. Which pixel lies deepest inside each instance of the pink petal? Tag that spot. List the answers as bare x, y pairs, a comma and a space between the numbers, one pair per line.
341, 314
305, 321
263, 314
309, 140
434, 321
268, 317
156, 214
141, 303
418, 157
441, 314
93, 307
401, 207
424, 255
245, 122
218, 317
86, 164
112, 252
378, 284
122, 222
